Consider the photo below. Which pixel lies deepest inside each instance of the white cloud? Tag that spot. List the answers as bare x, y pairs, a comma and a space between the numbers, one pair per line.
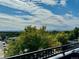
38, 18
41, 17
63, 2
7, 21
50, 2
19, 5
69, 15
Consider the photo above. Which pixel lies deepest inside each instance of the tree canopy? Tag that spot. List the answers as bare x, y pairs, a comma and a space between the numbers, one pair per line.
31, 39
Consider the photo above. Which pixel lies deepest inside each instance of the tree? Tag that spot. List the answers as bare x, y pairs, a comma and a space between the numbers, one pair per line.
74, 34
31, 39
62, 37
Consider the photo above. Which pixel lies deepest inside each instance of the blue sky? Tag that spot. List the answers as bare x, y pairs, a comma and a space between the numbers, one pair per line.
15, 15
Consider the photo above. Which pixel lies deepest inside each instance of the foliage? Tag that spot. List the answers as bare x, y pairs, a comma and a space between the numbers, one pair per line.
62, 37
31, 39
74, 34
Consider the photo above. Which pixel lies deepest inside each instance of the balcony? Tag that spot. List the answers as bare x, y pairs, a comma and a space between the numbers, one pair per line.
49, 52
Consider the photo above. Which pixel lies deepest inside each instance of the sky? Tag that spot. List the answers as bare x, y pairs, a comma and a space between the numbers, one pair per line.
15, 15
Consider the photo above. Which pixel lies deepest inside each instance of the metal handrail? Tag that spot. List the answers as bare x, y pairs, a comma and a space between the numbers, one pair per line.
46, 53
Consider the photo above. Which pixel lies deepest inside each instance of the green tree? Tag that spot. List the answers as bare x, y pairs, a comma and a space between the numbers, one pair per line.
74, 34
62, 37
31, 39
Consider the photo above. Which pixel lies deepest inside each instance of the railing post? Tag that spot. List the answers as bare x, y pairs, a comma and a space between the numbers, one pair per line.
63, 53
63, 50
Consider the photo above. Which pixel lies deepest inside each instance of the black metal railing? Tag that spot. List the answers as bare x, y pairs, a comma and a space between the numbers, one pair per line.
46, 53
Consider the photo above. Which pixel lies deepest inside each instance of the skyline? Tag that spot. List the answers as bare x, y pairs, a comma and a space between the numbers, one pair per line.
15, 15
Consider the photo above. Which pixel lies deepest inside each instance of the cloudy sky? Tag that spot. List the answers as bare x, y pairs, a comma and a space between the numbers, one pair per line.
54, 14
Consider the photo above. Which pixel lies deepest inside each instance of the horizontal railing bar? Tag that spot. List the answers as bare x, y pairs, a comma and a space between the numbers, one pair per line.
51, 48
